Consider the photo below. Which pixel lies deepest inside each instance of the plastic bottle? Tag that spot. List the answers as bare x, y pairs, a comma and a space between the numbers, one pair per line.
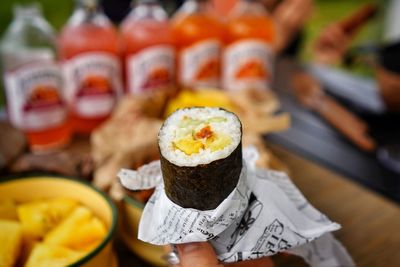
248, 56
149, 51
199, 37
33, 80
89, 48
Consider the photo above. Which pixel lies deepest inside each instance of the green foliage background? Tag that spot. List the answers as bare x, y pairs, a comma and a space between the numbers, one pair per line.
55, 11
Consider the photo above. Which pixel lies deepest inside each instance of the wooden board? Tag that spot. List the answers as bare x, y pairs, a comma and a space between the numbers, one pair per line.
370, 224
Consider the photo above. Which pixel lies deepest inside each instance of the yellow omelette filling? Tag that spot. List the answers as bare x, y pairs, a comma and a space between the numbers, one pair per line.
194, 134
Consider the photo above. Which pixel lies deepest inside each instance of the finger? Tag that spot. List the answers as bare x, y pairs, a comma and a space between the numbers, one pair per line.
328, 57
302, 6
339, 37
333, 35
342, 36
341, 44
261, 262
197, 254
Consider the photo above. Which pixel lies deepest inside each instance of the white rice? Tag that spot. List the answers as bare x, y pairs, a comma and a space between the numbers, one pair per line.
168, 134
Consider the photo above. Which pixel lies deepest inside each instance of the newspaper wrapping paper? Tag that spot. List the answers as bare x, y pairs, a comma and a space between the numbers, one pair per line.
263, 215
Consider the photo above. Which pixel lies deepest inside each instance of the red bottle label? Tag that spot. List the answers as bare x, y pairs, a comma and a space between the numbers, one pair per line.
200, 64
93, 83
150, 69
35, 97
247, 64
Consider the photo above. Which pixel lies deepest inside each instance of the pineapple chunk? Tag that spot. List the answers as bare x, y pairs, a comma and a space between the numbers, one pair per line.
28, 243
8, 210
44, 255
219, 142
79, 231
189, 146
10, 242
88, 236
67, 228
39, 217
201, 97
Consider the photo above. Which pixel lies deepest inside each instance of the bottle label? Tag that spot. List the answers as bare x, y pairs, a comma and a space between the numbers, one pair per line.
200, 64
247, 64
151, 69
35, 97
93, 83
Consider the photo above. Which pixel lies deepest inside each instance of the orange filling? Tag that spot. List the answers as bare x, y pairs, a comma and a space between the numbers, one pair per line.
205, 132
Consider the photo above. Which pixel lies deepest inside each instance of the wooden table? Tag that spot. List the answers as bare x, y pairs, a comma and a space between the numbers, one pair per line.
370, 224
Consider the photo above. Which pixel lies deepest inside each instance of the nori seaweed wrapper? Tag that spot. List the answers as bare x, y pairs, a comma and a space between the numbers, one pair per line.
204, 186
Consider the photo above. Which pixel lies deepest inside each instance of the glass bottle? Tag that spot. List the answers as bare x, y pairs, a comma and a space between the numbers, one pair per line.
33, 80
248, 56
89, 48
199, 37
149, 51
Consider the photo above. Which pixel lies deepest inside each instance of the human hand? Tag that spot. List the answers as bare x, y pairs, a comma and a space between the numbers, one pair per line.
201, 254
290, 16
331, 44
333, 41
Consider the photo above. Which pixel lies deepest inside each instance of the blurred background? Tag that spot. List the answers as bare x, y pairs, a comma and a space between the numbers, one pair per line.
315, 83
325, 12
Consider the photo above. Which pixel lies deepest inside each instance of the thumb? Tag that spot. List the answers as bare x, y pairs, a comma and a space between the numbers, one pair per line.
197, 254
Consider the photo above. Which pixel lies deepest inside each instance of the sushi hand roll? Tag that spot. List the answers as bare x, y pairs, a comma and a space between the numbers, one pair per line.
201, 156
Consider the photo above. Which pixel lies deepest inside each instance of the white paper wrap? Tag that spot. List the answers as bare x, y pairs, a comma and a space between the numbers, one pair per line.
263, 215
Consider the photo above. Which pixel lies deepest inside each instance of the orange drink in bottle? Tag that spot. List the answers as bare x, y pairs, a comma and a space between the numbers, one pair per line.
248, 56
149, 52
199, 38
91, 64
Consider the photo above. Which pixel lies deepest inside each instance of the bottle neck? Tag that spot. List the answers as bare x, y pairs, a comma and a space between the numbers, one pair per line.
28, 33
27, 12
148, 10
195, 6
88, 12
29, 19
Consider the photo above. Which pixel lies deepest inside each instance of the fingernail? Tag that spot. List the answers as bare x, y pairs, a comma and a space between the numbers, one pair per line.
189, 247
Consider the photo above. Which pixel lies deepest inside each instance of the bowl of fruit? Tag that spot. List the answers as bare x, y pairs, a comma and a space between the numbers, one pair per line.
55, 221
130, 211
